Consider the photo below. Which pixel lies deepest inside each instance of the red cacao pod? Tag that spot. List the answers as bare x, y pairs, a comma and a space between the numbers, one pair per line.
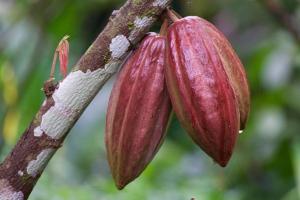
207, 85
138, 111
234, 70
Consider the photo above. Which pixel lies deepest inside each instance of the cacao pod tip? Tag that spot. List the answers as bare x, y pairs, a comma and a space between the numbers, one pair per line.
223, 163
243, 123
221, 160
122, 181
120, 185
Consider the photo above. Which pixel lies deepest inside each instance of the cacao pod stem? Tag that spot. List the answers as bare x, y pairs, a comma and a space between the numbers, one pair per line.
164, 28
174, 16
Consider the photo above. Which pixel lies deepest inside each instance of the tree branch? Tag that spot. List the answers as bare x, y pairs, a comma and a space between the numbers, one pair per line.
282, 17
65, 102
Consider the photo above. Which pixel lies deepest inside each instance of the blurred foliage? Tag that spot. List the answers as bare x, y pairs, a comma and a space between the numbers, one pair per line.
266, 162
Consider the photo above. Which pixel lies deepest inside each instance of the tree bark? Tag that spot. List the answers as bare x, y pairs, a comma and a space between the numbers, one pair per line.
65, 102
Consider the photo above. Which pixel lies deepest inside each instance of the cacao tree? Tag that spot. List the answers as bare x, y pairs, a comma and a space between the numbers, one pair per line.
189, 69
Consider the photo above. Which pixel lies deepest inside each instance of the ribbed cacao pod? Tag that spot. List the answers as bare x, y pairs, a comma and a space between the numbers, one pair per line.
234, 70
207, 85
138, 111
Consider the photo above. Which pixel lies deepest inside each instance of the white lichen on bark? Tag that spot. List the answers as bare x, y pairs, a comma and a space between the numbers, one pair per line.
141, 22
20, 173
139, 25
37, 165
118, 46
72, 95
37, 131
160, 3
7, 192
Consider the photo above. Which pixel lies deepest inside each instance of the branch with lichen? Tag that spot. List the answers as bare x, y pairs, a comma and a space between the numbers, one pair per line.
66, 101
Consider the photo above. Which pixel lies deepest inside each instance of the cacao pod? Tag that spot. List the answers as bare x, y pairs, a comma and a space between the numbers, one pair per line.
138, 111
207, 85
234, 70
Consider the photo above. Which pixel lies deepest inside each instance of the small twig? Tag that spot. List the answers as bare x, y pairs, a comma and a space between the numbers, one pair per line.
282, 17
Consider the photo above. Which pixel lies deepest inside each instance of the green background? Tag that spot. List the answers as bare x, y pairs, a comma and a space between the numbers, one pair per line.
266, 161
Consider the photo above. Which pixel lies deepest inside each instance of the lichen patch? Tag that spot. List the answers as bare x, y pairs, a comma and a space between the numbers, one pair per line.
160, 3
118, 46
37, 132
72, 96
20, 173
7, 192
36, 166
141, 22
